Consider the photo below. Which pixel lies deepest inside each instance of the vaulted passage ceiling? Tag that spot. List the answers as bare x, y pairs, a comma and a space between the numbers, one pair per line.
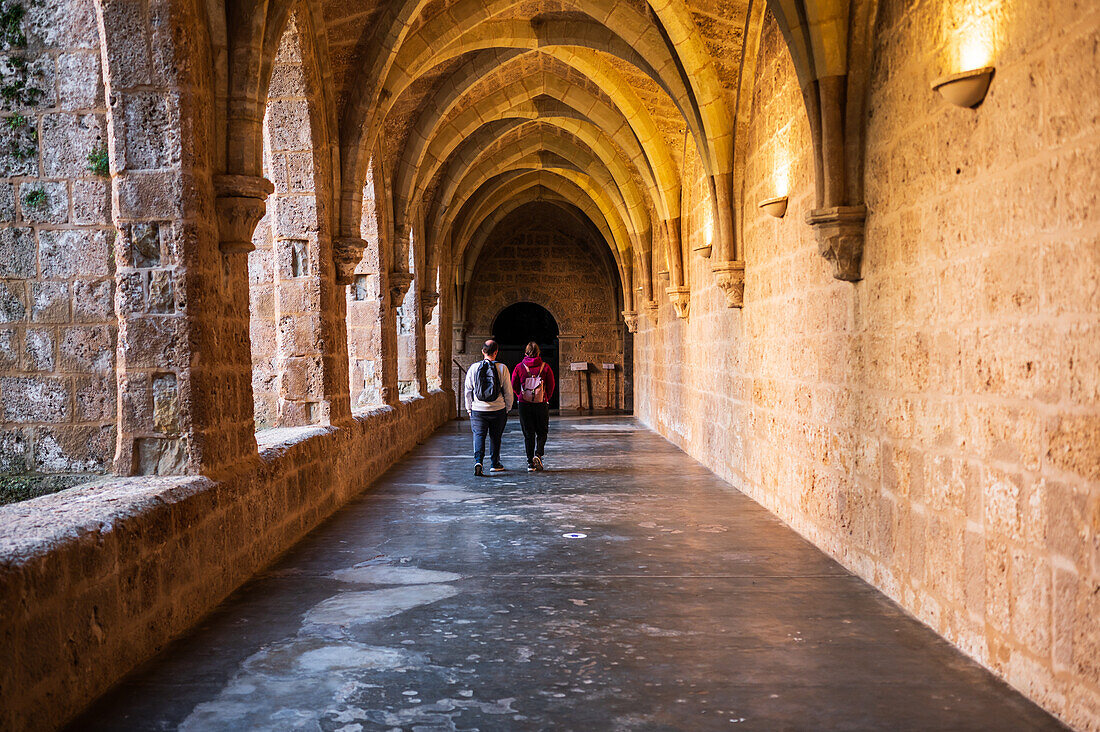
468, 109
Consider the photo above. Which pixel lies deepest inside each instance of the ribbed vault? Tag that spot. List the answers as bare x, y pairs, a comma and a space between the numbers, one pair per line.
472, 108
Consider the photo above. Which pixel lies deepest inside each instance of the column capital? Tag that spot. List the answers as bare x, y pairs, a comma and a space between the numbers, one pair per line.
428, 301
731, 281
681, 300
240, 202
630, 317
399, 282
839, 232
347, 252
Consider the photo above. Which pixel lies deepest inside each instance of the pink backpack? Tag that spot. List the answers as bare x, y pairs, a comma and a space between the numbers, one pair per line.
532, 389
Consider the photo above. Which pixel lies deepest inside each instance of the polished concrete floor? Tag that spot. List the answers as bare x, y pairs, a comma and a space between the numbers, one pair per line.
441, 601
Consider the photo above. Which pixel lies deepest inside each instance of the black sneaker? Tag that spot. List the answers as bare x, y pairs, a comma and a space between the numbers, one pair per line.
477, 469
496, 469
530, 467
538, 463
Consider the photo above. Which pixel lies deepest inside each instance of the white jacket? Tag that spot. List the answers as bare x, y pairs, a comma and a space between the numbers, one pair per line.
503, 401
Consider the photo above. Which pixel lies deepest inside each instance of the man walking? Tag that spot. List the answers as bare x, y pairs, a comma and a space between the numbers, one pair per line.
533, 382
489, 396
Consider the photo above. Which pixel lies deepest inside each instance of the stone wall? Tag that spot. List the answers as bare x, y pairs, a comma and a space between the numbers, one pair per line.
57, 324
96, 578
935, 426
529, 259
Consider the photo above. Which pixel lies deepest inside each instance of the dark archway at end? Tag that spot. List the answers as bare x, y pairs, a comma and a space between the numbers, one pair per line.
517, 325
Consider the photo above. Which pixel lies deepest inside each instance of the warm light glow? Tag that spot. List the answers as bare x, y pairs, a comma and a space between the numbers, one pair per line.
708, 226
975, 50
781, 173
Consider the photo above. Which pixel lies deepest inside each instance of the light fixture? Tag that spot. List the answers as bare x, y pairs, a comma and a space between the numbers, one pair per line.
776, 207
966, 88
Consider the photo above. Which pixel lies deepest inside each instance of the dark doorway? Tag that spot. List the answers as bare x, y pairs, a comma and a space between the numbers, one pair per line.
519, 324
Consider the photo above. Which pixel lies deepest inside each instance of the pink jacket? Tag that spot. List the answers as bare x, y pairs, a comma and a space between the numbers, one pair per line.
533, 367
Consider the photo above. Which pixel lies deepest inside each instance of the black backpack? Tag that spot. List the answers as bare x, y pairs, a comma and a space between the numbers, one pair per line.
487, 383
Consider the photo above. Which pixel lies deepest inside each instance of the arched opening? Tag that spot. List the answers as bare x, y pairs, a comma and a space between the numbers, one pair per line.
519, 324
284, 270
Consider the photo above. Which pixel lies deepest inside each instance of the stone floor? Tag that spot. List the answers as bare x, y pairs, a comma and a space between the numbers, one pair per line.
441, 601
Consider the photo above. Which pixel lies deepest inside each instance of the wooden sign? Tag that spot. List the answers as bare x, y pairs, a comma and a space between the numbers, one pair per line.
582, 366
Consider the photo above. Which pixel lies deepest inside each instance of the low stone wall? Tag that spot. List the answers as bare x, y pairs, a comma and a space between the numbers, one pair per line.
97, 578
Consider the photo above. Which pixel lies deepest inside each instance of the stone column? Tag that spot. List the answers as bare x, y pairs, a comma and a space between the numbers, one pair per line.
395, 285
423, 314
568, 345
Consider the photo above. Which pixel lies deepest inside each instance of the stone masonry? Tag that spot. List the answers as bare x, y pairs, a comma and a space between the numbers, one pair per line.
243, 245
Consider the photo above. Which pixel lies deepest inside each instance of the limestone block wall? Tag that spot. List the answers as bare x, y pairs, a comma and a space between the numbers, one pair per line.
565, 276
57, 324
935, 426
97, 578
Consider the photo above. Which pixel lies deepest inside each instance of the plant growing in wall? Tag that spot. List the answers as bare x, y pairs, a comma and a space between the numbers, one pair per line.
36, 198
99, 163
18, 89
22, 137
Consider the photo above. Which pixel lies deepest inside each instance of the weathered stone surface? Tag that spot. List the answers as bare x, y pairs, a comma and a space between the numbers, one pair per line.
99, 535
74, 253
39, 350
44, 203
17, 253
50, 302
67, 139
13, 307
34, 399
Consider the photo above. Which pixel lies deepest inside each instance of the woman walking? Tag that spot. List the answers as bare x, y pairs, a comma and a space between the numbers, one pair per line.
533, 384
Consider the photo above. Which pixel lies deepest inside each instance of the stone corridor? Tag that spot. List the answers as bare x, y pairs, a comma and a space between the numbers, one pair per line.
440, 601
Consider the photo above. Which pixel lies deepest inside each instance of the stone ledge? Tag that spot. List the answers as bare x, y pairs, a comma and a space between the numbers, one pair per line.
97, 578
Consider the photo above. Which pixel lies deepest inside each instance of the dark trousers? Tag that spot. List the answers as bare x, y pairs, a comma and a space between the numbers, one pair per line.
534, 419
491, 424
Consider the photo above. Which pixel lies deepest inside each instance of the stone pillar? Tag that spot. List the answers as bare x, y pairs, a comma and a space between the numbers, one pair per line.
336, 389
395, 285
423, 315
568, 347
240, 203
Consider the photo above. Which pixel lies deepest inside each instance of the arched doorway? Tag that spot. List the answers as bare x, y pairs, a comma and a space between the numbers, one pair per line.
521, 323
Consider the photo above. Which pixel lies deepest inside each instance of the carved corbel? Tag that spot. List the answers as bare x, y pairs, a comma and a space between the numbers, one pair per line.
347, 252
631, 319
650, 309
428, 301
399, 286
458, 329
681, 300
731, 281
839, 232
240, 203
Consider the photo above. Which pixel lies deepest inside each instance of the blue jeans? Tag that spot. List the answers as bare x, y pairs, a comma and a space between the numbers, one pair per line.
491, 424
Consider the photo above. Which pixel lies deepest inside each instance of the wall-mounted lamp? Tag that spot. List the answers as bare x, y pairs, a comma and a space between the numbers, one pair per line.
966, 88
776, 207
